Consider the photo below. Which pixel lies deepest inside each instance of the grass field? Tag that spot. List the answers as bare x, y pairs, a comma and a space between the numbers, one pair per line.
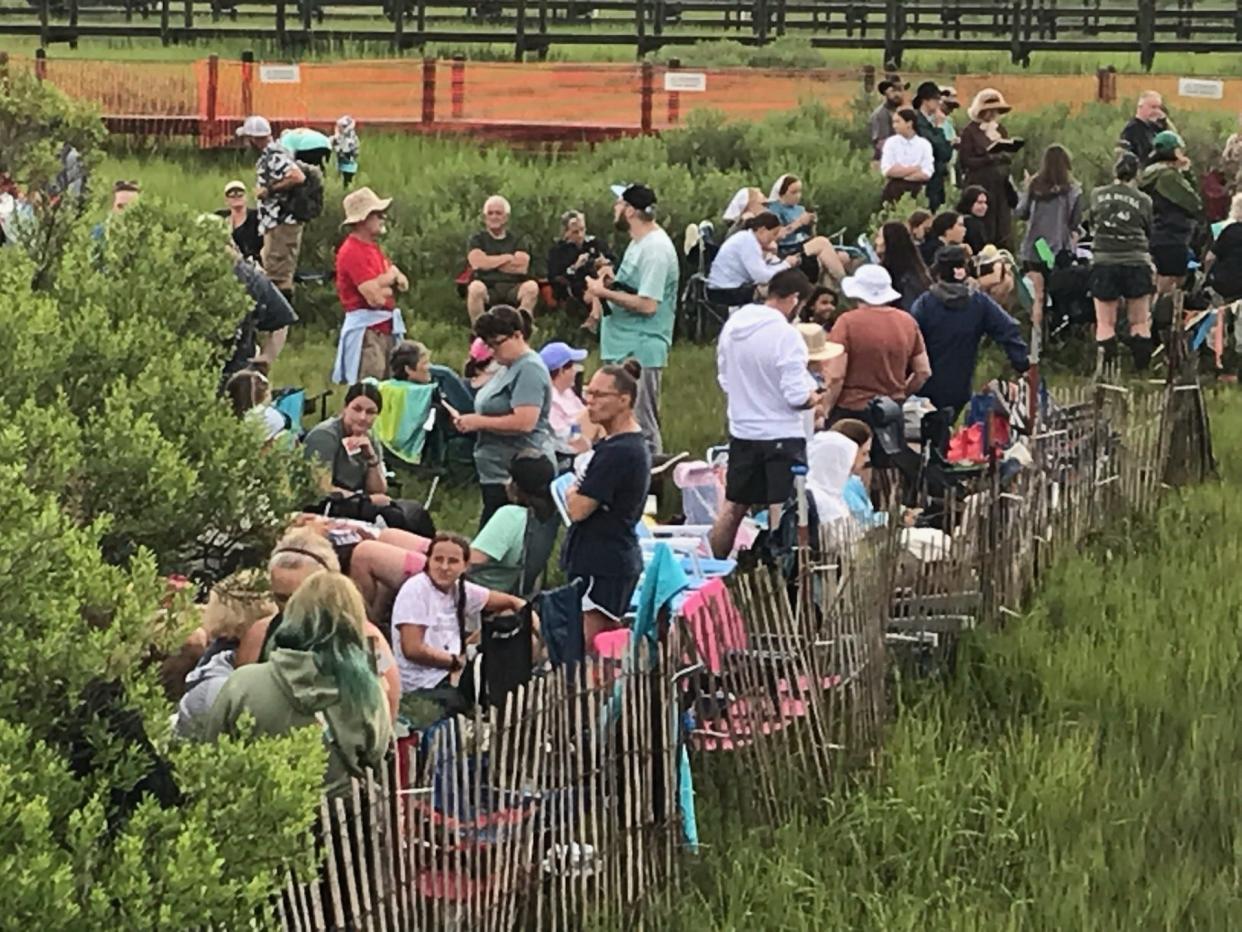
1081, 771
793, 51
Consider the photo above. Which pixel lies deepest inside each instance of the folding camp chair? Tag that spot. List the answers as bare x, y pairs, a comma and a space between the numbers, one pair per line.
295, 404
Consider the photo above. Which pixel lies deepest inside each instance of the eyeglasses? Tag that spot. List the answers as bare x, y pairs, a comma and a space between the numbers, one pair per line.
593, 393
497, 342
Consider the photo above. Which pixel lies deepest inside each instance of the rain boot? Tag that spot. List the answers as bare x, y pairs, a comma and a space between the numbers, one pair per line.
1140, 350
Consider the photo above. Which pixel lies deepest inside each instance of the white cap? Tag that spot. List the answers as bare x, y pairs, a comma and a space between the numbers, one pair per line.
255, 126
871, 284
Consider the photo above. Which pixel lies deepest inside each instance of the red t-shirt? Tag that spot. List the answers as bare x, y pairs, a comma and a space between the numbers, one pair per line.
358, 262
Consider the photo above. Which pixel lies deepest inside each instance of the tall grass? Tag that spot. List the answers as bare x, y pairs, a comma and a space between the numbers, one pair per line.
1083, 769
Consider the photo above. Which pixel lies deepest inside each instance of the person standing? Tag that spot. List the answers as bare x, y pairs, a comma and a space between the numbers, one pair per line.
367, 283
1139, 134
761, 366
511, 410
1177, 208
1121, 218
929, 121
601, 551
276, 175
243, 221
640, 302
906, 160
345, 146
953, 317
880, 125
884, 352
987, 166
1051, 203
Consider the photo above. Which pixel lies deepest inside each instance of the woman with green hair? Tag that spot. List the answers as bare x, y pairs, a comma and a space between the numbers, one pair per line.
318, 673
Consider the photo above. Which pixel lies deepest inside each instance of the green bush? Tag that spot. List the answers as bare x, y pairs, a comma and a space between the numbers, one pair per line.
116, 456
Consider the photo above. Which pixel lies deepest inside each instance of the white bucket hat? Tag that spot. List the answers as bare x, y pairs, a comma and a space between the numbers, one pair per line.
871, 284
255, 126
361, 204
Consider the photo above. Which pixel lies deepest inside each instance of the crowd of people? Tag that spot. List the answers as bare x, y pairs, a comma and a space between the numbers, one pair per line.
369, 612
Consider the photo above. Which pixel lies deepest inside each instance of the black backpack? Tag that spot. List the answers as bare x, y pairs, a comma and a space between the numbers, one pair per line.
306, 200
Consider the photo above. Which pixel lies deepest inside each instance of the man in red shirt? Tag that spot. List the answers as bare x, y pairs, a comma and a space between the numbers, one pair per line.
366, 280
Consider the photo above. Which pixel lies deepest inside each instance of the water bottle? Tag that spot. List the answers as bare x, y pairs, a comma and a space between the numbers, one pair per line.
575, 434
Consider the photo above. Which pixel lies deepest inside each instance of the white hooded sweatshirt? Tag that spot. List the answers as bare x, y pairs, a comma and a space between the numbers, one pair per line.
761, 364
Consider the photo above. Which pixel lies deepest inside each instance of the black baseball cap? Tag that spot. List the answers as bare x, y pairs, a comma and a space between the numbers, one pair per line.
928, 90
638, 196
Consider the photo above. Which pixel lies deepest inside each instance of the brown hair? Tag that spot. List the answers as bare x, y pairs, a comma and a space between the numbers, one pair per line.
765, 220
786, 183
625, 377
853, 429
246, 389
449, 537
1054, 175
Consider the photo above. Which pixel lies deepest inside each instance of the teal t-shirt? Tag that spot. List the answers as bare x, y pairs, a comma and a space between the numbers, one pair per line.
787, 214
525, 382
501, 539
651, 269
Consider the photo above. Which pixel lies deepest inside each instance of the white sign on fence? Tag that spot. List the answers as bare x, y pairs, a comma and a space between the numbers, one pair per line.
280, 74
1198, 87
685, 81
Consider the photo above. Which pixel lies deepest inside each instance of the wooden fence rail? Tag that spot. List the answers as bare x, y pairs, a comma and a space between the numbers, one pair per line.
572, 804
889, 27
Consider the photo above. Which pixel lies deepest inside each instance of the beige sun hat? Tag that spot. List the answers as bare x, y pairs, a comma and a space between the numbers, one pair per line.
818, 348
361, 204
988, 99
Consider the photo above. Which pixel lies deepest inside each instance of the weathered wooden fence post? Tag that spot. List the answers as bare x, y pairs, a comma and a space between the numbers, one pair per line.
429, 90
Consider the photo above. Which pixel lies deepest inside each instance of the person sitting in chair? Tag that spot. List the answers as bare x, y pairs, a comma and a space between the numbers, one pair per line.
574, 257
410, 361
500, 265
747, 260
509, 554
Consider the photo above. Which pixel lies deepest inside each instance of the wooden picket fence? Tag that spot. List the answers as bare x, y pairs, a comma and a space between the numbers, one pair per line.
569, 805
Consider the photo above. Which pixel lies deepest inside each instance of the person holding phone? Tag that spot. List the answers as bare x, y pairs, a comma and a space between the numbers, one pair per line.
346, 446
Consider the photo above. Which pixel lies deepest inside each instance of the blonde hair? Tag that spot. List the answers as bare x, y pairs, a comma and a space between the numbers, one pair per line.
1235, 208
331, 593
234, 604
304, 546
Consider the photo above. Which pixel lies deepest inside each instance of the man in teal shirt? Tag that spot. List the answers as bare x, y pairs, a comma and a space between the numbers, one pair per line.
640, 302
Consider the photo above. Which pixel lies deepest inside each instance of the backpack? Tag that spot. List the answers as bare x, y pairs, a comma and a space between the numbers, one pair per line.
306, 200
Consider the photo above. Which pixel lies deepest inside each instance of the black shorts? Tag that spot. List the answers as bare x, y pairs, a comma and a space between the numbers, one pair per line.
610, 595
1114, 282
1171, 261
760, 471
1034, 265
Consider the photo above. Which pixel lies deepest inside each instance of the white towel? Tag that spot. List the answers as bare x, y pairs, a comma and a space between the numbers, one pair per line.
349, 344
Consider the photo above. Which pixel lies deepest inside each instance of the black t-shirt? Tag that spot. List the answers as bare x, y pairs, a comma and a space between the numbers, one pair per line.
1227, 267
246, 236
976, 233
617, 477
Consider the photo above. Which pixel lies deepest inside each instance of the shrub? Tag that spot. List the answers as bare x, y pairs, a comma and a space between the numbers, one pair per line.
115, 456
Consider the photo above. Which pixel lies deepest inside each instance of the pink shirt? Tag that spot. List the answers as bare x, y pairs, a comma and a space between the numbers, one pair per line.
564, 412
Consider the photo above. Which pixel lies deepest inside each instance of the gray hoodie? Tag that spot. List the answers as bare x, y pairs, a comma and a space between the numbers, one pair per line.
202, 685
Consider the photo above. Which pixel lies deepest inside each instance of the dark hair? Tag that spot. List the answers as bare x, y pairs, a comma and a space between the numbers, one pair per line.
625, 376
120, 186
944, 222
503, 321
908, 114
786, 183
1054, 175
807, 315
364, 390
449, 537
901, 256
790, 282
853, 429
918, 218
530, 477
406, 354
1126, 167
764, 220
245, 389
971, 194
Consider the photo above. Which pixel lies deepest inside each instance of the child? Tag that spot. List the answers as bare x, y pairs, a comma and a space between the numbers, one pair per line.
345, 144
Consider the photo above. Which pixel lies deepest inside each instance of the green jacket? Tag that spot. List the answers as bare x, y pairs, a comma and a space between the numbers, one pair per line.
288, 692
942, 149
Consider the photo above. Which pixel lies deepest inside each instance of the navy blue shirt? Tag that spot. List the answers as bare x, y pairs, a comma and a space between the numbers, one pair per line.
953, 321
617, 477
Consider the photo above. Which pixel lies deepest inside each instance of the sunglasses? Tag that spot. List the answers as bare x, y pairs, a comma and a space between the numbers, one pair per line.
235, 192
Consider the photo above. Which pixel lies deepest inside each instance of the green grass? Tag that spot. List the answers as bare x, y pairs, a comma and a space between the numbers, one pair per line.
1081, 771
793, 51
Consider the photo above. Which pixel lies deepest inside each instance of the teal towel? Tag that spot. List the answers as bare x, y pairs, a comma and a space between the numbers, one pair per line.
400, 426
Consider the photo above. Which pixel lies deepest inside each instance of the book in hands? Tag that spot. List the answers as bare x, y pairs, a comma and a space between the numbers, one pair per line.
1007, 145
